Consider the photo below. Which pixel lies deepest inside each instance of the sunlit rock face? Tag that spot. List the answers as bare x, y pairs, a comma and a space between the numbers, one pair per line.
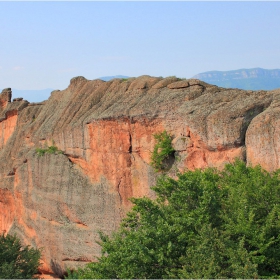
105, 132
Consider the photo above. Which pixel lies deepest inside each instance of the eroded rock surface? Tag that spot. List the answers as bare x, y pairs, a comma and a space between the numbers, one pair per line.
105, 130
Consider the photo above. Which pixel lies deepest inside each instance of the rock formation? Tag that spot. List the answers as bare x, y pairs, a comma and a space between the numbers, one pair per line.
105, 129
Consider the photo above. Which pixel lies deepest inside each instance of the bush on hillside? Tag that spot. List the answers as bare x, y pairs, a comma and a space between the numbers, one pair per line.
17, 261
205, 224
162, 150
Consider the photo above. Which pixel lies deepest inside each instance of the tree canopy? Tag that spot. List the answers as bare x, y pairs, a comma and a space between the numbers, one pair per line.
205, 224
17, 261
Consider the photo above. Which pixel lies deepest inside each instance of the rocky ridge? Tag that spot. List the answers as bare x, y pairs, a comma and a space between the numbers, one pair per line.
105, 130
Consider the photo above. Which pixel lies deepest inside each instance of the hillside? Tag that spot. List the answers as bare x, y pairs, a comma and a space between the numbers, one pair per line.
104, 135
248, 79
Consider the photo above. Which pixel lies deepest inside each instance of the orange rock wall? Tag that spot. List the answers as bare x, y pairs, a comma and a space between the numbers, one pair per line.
7, 206
7, 127
120, 151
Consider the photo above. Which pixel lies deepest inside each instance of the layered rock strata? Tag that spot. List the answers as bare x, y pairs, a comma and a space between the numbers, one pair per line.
105, 131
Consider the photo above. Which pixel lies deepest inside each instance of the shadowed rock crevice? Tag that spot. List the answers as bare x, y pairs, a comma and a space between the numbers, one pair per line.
248, 117
118, 190
169, 161
56, 268
130, 144
77, 260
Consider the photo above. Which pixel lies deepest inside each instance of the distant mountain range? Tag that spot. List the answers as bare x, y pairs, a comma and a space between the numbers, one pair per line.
249, 79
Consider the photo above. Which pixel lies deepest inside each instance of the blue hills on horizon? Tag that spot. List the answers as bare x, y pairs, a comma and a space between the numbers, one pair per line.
248, 79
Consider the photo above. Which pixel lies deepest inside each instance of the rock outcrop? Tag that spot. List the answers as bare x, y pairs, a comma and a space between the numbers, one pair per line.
105, 129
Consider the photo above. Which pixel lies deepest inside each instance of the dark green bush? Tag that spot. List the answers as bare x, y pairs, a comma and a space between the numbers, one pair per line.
162, 150
17, 261
205, 224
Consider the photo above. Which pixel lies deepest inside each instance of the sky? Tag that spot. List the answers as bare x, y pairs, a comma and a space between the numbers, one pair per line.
45, 44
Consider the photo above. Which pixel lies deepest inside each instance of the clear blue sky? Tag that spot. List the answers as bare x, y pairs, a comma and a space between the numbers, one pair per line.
45, 44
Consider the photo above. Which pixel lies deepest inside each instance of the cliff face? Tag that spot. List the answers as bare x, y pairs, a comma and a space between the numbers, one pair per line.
105, 130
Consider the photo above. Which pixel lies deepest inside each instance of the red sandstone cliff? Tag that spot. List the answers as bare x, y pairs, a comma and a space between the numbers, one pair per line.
105, 129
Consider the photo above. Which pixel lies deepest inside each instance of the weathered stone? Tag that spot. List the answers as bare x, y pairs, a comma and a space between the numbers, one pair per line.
18, 99
181, 143
5, 97
179, 84
164, 82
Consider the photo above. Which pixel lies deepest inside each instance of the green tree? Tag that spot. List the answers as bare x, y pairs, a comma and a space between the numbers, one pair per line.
17, 261
205, 224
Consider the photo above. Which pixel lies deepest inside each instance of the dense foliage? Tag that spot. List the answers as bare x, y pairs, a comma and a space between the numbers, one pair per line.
17, 261
205, 224
162, 150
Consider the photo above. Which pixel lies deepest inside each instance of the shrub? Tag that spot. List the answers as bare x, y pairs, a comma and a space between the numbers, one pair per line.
206, 224
49, 150
162, 150
17, 261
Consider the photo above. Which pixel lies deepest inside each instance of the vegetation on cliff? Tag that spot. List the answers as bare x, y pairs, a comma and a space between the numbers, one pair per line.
17, 261
49, 150
205, 224
162, 150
